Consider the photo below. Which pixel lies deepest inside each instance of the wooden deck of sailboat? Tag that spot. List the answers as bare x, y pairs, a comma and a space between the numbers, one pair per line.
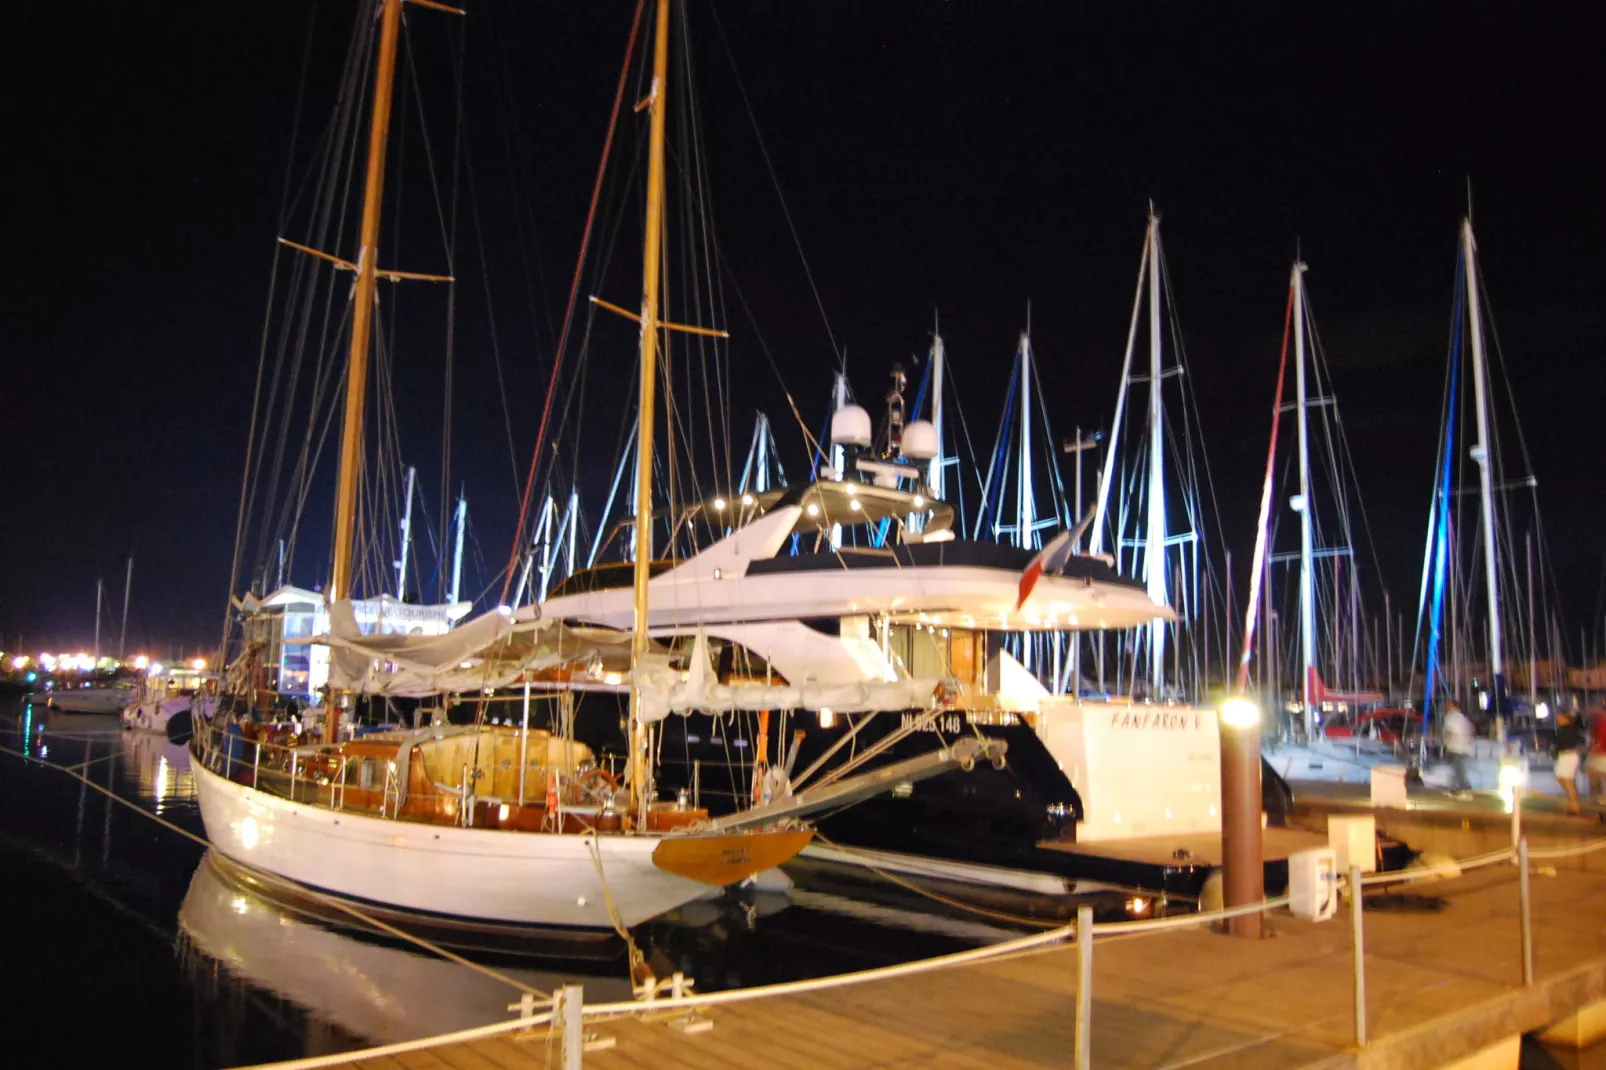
1201, 848
1440, 986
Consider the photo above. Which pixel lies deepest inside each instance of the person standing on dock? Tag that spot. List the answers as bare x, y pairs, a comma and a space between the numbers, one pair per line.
1595, 764
1458, 747
1564, 749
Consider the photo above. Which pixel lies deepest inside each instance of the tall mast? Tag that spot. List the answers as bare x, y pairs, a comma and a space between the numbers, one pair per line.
1154, 555
652, 248
1480, 454
122, 634
406, 538
457, 551
1025, 517
99, 586
1307, 576
939, 461
363, 309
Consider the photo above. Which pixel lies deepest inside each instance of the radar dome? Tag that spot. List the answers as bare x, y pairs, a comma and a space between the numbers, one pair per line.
919, 441
850, 426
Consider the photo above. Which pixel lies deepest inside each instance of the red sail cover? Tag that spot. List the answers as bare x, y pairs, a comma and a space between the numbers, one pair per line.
1319, 692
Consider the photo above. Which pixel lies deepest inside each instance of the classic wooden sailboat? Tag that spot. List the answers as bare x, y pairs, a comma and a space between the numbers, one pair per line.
441, 819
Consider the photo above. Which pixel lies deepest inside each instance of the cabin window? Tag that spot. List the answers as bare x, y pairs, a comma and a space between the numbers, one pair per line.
929, 651
368, 774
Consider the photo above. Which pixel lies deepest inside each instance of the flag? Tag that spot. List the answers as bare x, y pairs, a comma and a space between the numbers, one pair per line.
1050, 558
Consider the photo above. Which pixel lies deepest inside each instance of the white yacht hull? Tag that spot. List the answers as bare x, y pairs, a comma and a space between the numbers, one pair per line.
520, 877
90, 699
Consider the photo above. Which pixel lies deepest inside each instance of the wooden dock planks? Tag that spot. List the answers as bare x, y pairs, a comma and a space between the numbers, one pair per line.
1436, 981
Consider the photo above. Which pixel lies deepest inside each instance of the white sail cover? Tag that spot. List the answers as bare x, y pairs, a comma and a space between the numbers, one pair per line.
665, 690
498, 649
410, 666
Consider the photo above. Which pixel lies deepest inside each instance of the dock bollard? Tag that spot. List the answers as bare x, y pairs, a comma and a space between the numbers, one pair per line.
1084, 988
1358, 935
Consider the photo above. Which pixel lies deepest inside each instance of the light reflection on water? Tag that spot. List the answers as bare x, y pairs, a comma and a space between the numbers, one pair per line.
241, 978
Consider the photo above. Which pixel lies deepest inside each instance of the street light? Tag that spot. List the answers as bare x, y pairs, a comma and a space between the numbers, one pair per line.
1243, 876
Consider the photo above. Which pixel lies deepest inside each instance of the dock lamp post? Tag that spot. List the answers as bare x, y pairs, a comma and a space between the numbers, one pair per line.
1243, 877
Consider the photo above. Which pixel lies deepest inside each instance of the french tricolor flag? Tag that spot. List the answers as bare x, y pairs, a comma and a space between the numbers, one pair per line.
1050, 558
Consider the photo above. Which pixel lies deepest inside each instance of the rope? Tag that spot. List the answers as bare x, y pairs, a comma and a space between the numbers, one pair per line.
311, 893
638, 962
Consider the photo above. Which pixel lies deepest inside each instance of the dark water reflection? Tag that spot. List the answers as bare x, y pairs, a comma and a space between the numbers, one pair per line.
113, 919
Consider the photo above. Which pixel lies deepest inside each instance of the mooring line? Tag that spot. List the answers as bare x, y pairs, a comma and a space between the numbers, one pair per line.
311, 893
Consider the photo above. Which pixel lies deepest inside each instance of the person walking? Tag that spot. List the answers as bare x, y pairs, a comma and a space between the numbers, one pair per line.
1564, 749
1458, 748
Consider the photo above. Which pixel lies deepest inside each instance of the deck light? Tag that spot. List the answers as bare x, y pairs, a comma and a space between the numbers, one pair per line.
719, 504
748, 499
920, 501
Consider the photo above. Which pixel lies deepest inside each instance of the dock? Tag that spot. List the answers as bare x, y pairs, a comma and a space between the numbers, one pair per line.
1443, 982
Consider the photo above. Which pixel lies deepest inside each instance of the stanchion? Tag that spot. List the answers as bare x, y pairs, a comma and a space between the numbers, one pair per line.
574, 1025
1358, 935
1527, 915
1084, 988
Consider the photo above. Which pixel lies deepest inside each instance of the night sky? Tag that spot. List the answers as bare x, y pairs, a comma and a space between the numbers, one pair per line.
966, 158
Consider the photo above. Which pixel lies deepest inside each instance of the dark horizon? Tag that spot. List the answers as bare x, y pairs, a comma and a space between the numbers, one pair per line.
960, 159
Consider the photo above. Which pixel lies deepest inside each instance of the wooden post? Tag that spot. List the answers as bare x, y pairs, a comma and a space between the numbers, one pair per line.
573, 1026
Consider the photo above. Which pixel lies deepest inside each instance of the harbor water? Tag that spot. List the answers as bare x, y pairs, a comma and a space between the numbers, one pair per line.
125, 940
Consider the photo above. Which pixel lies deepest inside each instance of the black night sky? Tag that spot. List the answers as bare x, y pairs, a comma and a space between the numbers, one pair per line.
964, 157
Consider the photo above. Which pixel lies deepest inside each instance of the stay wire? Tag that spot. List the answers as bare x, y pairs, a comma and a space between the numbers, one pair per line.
574, 291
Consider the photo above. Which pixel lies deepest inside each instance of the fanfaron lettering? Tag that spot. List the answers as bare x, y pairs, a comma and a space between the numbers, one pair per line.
1157, 720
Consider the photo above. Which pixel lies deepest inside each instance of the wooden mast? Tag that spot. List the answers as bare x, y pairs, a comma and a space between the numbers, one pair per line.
362, 311
652, 249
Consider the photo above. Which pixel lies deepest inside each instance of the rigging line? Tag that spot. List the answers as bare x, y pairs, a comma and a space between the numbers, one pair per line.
524, 216
574, 291
423, 130
741, 88
334, 195
241, 511
1189, 399
490, 317
308, 891
701, 244
810, 441
460, 58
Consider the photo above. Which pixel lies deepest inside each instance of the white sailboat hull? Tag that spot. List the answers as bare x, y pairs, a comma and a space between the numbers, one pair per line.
1334, 763
519, 877
153, 716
